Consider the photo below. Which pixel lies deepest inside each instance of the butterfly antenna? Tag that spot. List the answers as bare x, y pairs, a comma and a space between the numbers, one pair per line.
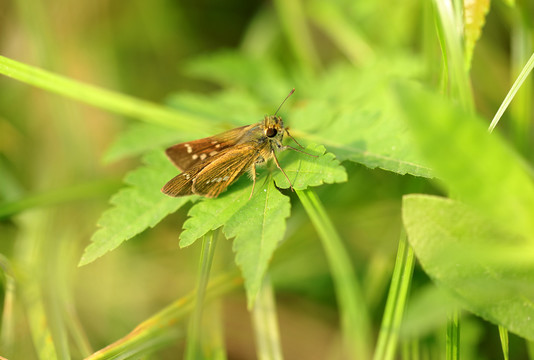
288, 95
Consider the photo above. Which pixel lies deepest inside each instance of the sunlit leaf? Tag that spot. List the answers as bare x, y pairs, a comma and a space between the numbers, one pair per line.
211, 214
258, 223
305, 170
135, 208
258, 228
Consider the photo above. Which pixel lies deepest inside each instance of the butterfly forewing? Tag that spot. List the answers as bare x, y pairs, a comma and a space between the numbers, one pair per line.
221, 172
188, 154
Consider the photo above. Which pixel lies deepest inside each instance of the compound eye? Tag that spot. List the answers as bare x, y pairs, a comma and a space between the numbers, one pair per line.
271, 132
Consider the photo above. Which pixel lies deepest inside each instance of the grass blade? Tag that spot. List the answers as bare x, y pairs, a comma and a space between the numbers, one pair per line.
7, 324
396, 301
104, 99
453, 52
193, 349
503, 334
158, 328
59, 196
453, 337
266, 323
354, 314
513, 90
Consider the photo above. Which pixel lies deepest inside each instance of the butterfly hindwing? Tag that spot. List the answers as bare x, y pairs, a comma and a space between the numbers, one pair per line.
181, 184
224, 170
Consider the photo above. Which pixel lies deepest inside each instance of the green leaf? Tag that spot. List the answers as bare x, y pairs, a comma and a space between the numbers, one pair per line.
258, 227
353, 113
304, 170
477, 167
230, 69
135, 208
222, 111
211, 214
258, 224
350, 111
488, 269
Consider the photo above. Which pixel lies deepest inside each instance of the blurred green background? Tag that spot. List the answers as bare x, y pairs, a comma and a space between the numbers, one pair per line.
52, 149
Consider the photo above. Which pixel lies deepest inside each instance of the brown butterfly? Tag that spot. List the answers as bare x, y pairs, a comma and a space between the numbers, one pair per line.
211, 164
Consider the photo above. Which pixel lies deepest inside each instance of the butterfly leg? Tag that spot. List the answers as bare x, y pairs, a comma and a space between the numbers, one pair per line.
292, 138
282, 170
285, 147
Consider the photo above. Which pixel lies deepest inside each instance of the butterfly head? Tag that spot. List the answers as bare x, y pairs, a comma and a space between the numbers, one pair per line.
273, 127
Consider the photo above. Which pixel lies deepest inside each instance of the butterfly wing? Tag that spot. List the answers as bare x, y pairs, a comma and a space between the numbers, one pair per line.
182, 184
224, 170
186, 155
211, 176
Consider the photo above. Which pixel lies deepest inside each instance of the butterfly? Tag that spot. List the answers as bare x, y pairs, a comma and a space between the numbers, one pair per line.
211, 164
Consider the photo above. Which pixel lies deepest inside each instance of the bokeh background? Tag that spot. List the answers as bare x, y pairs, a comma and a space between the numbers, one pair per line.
52, 150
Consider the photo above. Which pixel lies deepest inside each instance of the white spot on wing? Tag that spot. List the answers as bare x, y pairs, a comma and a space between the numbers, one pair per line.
213, 153
195, 156
202, 156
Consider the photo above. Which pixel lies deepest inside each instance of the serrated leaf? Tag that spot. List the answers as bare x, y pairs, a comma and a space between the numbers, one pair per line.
136, 207
211, 214
259, 223
477, 167
475, 12
304, 170
489, 269
258, 227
